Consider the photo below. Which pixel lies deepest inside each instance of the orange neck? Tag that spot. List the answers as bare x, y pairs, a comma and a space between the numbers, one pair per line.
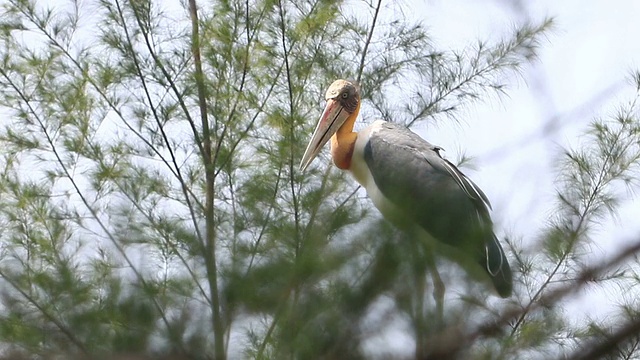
344, 141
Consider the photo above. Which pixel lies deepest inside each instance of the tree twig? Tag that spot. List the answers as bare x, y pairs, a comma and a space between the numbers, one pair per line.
367, 42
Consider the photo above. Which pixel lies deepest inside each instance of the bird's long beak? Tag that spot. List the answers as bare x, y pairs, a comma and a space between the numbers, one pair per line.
333, 116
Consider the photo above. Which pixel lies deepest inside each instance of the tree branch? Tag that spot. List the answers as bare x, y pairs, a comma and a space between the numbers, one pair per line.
368, 41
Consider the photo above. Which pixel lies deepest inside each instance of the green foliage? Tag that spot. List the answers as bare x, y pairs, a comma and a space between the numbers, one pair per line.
151, 201
593, 180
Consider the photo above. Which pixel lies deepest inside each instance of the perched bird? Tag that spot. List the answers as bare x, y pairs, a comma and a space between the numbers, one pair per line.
413, 186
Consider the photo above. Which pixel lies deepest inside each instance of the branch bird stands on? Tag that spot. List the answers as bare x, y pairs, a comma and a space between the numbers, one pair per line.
413, 186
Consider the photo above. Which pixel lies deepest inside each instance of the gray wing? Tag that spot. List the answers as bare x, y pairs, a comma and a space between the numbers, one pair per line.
410, 172
437, 196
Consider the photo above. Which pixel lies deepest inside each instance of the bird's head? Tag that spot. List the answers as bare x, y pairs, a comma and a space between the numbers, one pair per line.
343, 103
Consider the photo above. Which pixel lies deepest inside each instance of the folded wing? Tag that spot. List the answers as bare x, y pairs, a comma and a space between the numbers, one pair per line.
435, 195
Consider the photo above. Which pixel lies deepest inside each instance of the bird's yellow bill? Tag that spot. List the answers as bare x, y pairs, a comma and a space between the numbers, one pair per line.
333, 116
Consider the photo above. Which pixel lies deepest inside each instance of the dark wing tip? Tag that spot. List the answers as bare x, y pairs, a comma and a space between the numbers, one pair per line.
498, 268
504, 288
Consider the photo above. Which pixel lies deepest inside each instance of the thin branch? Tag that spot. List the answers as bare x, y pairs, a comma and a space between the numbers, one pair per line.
263, 229
210, 241
152, 221
239, 92
62, 327
585, 277
292, 171
177, 172
199, 82
368, 41
478, 73
113, 107
599, 186
147, 93
80, 194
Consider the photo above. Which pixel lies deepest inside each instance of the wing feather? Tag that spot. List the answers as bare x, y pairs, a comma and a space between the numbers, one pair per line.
434, 194
469, 187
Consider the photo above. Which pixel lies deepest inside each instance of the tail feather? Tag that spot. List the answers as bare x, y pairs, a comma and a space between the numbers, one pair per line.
497, 266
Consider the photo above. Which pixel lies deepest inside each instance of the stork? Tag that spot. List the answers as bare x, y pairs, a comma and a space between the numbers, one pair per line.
413, 186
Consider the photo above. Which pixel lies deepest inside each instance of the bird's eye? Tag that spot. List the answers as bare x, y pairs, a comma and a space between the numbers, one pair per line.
345, 95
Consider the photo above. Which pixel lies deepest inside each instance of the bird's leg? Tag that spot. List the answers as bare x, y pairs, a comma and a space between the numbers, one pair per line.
427, 339
438, 293
421, 326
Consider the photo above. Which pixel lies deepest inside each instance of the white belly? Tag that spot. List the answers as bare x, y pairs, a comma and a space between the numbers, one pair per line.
361, 173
